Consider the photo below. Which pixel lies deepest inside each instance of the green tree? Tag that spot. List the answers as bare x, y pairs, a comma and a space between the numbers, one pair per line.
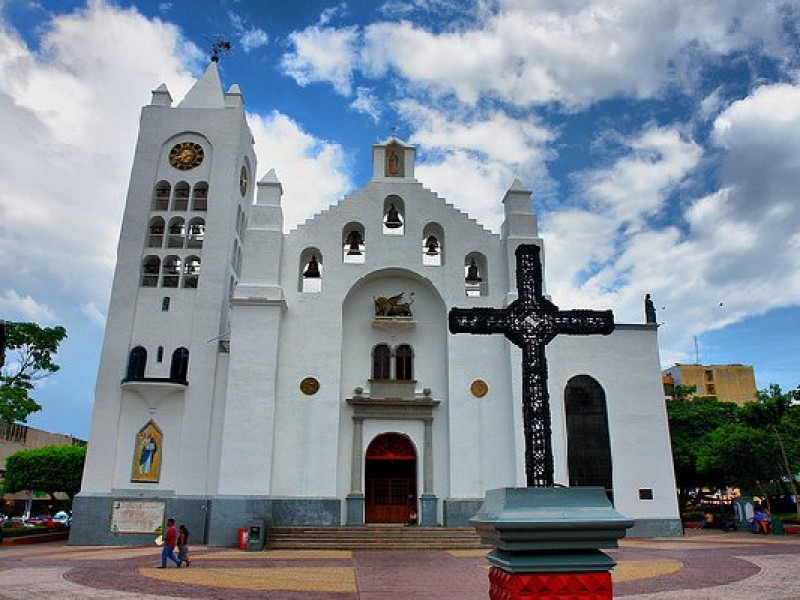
691, 420
741, 455
49, 469
30, 360
773, 411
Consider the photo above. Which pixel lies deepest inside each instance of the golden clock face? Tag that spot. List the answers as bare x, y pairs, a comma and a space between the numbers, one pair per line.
243, 180
186, 155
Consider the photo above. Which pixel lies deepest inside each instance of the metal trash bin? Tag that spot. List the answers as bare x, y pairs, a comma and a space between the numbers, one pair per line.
256, 536
777, 527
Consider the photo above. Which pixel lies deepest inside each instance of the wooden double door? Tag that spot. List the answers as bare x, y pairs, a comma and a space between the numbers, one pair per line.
391, 480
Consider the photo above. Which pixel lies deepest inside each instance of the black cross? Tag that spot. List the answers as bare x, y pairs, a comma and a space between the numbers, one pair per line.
531, 322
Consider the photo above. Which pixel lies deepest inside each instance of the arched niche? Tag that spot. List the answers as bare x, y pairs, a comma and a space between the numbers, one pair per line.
394, 215
433, 245
354, 247
476, 280
588, 441
310, 271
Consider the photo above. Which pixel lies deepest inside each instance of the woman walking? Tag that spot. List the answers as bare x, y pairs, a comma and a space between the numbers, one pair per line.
183, 545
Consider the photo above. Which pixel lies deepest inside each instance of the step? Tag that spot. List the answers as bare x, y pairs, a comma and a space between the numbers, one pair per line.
373, 537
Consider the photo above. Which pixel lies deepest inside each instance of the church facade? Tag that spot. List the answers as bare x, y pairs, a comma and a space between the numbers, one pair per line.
309, 378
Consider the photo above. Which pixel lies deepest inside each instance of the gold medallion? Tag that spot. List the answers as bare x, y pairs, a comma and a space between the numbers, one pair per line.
309, 386
479, 388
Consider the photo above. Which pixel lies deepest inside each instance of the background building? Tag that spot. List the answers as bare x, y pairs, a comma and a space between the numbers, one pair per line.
15, 437
729, 383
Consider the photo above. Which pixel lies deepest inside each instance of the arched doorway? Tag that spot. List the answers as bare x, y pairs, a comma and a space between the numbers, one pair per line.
588, 441
390, 477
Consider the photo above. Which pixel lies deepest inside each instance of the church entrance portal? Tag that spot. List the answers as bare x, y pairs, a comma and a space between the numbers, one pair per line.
391, 479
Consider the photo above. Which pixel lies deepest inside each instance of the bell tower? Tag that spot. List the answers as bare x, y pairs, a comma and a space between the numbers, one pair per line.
179, 259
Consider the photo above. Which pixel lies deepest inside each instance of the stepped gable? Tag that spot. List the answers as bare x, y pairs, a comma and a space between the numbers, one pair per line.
365, 190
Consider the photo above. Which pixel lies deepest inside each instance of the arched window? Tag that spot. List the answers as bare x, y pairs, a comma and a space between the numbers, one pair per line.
137, 361
475, 276
200, 196
311, 271
171, 272
177, 233
161, 196
181, 199
179, 366
394, 215
404, 363
155, 237
353, 245
197, 233
588, 441
381, 360
433, 245
151, 265
191, 272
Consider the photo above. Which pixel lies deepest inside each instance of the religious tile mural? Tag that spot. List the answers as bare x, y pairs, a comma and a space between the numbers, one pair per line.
147, 456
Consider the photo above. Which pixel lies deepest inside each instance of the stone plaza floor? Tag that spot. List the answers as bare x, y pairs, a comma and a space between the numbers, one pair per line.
702, 565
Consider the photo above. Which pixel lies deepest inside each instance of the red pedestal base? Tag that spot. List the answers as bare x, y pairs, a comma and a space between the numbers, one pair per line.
548, 586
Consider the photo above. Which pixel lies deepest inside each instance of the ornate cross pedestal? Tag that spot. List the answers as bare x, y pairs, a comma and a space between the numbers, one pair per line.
547, 540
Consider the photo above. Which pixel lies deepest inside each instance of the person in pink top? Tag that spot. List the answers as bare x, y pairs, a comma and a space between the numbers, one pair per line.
170, 541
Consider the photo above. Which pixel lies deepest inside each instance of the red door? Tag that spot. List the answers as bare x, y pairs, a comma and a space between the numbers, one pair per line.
391, 475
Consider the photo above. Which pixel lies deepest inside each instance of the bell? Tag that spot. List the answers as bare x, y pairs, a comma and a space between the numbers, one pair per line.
393, 218
312, 270
433, 246
354, 241
472, 272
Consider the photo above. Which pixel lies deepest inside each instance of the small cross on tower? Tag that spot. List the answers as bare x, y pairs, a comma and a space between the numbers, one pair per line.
531, 322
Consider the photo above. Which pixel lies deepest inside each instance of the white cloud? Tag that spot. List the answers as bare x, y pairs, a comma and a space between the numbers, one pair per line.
69, 119
310, 170
253, 38
323, 54
14, 306
250, 38
366, 103
93, 314
526, 53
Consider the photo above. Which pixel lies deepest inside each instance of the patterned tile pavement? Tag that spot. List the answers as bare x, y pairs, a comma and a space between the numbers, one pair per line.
701, 566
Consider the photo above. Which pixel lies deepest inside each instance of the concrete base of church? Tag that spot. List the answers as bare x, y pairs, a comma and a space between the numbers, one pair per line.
458, 512
213, 521
428, 504
355, 510
644, 528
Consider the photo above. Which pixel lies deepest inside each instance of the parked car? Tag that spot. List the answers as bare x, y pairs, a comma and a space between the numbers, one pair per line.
39, 520
61, 520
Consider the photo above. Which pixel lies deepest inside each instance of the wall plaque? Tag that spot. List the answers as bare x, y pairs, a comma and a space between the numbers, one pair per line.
479, 388
137, 517
309, 386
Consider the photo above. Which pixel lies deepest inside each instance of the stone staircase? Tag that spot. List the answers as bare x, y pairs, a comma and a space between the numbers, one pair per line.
374, 537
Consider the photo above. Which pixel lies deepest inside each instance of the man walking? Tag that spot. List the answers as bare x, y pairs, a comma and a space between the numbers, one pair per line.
170, 541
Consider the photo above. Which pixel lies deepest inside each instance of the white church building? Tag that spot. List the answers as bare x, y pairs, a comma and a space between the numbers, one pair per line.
309, 378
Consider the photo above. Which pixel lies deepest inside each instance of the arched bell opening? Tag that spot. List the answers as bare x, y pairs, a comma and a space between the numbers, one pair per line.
394, 215
390, 479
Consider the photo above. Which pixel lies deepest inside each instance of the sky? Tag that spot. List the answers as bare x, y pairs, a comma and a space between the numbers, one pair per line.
661, 141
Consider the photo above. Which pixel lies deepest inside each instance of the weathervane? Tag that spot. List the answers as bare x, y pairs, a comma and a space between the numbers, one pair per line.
219, 46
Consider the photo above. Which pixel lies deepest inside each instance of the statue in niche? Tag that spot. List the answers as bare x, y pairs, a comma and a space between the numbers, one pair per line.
393, 306
649, 310
394, 162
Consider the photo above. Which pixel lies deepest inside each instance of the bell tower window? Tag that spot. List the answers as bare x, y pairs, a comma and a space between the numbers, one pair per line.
475, 282
433, 245
311, 271
181, 199
161, 196
393, 215
353, 247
